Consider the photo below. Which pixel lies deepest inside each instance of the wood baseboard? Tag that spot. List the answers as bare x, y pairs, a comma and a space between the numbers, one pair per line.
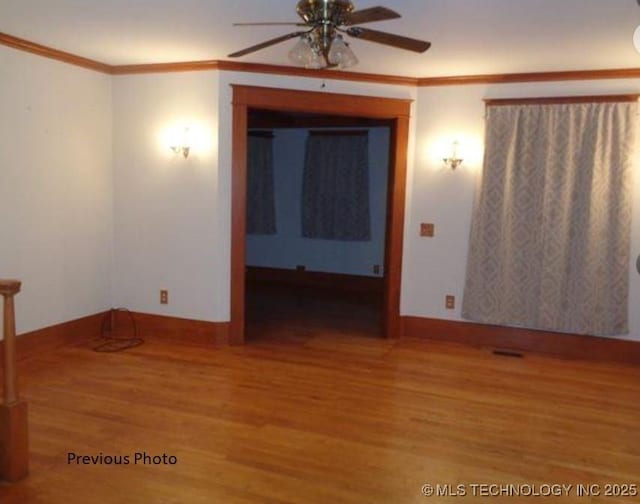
44, 340
315, 279
88, 329
153, 327
570, 346
163, 328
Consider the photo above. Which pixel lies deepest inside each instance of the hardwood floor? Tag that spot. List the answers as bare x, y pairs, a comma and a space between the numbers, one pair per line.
272, 309
319, 415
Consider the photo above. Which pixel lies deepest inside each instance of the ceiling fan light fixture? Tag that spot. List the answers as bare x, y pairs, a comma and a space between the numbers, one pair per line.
321, 44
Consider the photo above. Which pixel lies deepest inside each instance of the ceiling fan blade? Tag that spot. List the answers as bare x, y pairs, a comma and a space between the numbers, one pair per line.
370, 15
389, 39
266, 44
291, 23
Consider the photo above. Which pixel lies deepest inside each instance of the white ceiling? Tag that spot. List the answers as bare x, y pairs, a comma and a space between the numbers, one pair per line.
468, 36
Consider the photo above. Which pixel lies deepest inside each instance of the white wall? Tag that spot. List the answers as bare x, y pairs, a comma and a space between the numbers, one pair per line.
165, 221
55, 188
436, 267
167, 209
288, 248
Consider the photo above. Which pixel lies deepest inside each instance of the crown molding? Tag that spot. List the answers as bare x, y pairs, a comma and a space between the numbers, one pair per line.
620, 73
237, 66
185, 66
49, 52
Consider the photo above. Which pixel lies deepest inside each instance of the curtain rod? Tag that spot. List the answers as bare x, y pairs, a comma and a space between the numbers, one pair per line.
552, 100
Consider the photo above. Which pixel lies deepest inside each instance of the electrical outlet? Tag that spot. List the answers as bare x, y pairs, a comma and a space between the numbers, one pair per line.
164, 296
427, 230
450, 302
376, 269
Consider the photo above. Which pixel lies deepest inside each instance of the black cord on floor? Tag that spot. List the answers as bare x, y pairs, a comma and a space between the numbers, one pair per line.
111, 343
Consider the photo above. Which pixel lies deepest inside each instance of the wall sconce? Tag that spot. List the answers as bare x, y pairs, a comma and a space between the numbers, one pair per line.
454, 161
185, 146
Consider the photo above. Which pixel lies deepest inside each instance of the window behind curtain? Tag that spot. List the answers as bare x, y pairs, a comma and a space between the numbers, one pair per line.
550, 240
335, 192
261, 210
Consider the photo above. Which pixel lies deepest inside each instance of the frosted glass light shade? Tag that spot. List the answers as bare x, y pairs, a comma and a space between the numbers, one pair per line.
316, 61
636, 39
301, 52
308, 54
341, 54
349, 58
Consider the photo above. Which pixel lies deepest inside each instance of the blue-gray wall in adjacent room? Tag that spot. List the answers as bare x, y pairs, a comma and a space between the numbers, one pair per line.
287, 249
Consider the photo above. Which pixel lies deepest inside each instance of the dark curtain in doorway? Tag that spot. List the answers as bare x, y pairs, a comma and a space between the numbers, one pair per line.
261, 209
335, 192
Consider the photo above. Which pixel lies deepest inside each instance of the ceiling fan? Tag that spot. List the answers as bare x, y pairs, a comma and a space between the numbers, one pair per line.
321, 43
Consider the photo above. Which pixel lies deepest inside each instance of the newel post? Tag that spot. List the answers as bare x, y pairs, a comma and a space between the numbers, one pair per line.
14, 461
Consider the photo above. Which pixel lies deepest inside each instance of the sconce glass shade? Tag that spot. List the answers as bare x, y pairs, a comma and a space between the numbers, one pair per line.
184, 150
341, 54
454, 161
184, 146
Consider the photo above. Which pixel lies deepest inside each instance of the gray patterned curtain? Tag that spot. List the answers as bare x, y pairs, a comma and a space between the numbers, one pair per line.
335, 191
550, 240
261, 209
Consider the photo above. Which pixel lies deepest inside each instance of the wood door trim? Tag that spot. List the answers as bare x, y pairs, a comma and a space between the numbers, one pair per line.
396, 110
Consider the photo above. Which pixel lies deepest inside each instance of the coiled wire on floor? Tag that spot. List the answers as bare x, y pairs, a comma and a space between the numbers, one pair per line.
111, 342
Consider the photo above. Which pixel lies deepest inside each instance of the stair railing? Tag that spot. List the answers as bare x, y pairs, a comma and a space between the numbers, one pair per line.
14, 460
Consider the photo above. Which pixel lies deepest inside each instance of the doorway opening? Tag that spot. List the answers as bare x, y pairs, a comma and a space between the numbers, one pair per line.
393, 112
316, 223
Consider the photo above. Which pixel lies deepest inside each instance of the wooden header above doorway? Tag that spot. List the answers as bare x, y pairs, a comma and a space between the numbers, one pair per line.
308, 101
